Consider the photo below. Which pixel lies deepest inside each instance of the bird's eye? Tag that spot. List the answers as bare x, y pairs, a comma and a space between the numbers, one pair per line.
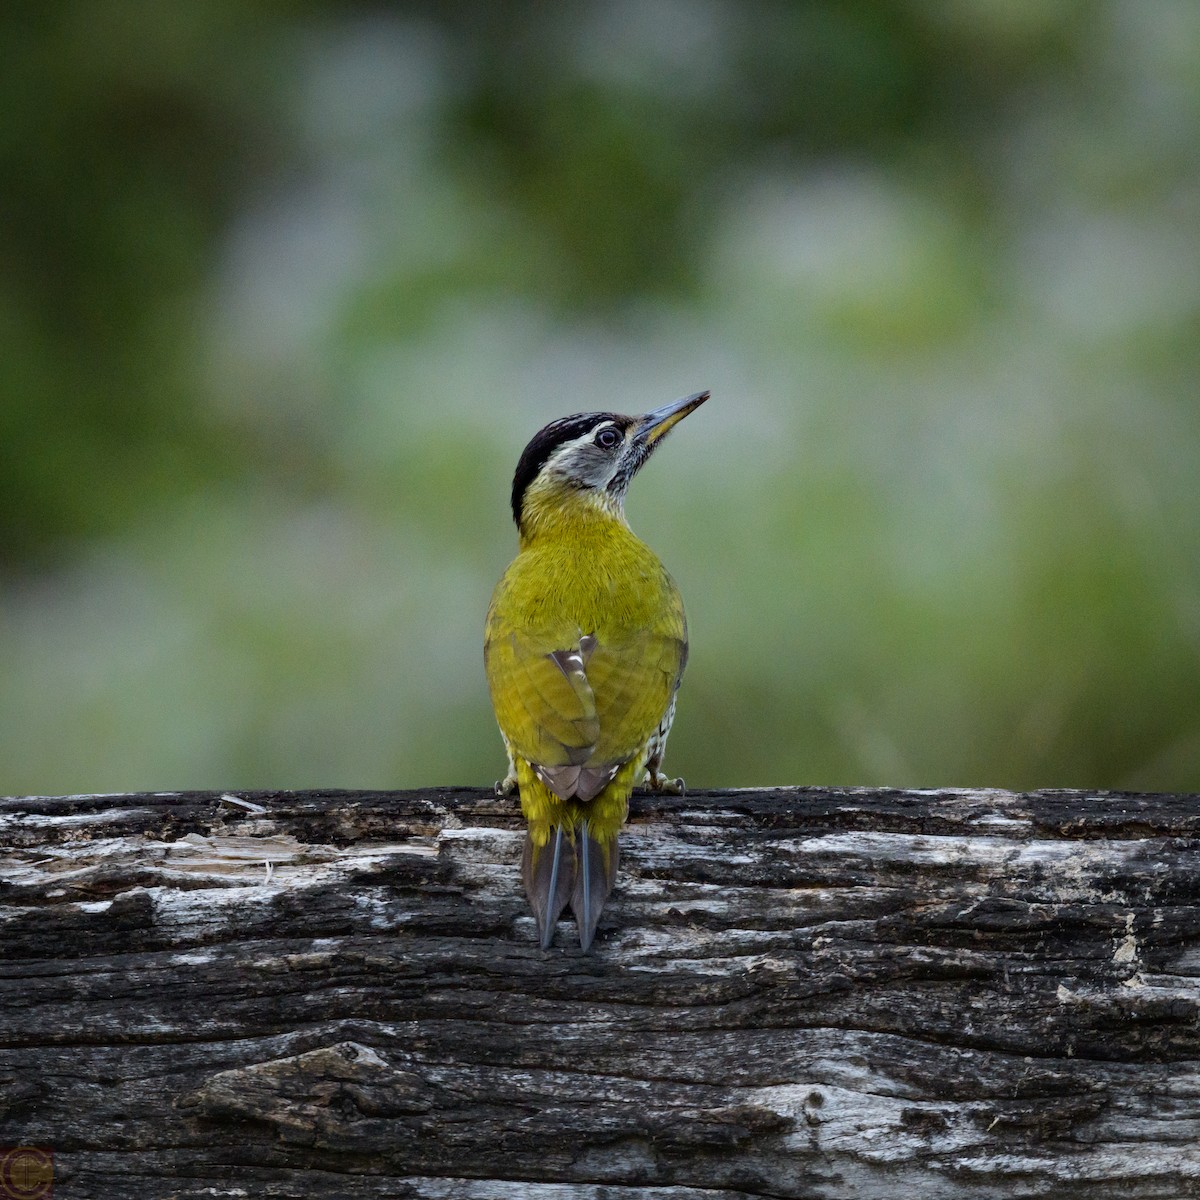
607, 438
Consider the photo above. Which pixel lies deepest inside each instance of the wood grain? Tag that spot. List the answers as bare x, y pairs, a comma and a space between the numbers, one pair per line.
794, 992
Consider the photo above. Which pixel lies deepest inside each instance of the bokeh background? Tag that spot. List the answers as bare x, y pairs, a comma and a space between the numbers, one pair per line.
286, 287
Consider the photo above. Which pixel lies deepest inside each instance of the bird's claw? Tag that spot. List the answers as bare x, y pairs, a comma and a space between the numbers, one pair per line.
506, 786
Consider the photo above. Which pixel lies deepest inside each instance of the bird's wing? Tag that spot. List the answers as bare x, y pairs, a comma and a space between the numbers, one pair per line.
633, 680
544, 701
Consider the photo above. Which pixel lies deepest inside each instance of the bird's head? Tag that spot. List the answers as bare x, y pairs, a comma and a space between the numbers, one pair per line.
589, 459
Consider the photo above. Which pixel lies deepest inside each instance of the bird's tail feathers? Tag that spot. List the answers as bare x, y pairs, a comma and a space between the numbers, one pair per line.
573, 867
594, 876
548, 872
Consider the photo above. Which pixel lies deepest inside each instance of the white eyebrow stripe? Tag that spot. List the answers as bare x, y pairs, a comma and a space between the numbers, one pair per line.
568, 448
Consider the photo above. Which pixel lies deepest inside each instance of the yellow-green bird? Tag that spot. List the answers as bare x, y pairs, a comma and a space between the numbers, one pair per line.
585, 645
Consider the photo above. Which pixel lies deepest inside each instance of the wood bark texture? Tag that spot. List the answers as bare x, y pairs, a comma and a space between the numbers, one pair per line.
794, 992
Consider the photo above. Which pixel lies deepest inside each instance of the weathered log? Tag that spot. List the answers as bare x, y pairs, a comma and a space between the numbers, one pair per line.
795, 992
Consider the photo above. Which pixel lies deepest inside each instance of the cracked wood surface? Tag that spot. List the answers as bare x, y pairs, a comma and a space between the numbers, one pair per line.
794, 992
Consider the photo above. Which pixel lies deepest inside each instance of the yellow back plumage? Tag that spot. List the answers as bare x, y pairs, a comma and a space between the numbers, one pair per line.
581, 564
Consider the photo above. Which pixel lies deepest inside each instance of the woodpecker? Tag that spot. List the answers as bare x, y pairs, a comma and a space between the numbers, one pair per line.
584, 646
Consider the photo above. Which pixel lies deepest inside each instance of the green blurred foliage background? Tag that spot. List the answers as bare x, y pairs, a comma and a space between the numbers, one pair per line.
285, 288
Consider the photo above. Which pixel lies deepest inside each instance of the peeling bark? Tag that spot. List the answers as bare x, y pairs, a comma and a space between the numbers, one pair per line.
794, 992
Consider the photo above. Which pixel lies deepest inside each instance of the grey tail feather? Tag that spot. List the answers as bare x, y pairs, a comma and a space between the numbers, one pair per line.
594, 879
548, 873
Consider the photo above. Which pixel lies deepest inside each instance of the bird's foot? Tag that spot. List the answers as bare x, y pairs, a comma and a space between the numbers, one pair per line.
506, 786
656, 781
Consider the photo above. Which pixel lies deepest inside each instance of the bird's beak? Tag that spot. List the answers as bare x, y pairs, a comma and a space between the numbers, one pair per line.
653, 425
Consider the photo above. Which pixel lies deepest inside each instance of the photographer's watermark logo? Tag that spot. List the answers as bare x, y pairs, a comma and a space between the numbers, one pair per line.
26, 1172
